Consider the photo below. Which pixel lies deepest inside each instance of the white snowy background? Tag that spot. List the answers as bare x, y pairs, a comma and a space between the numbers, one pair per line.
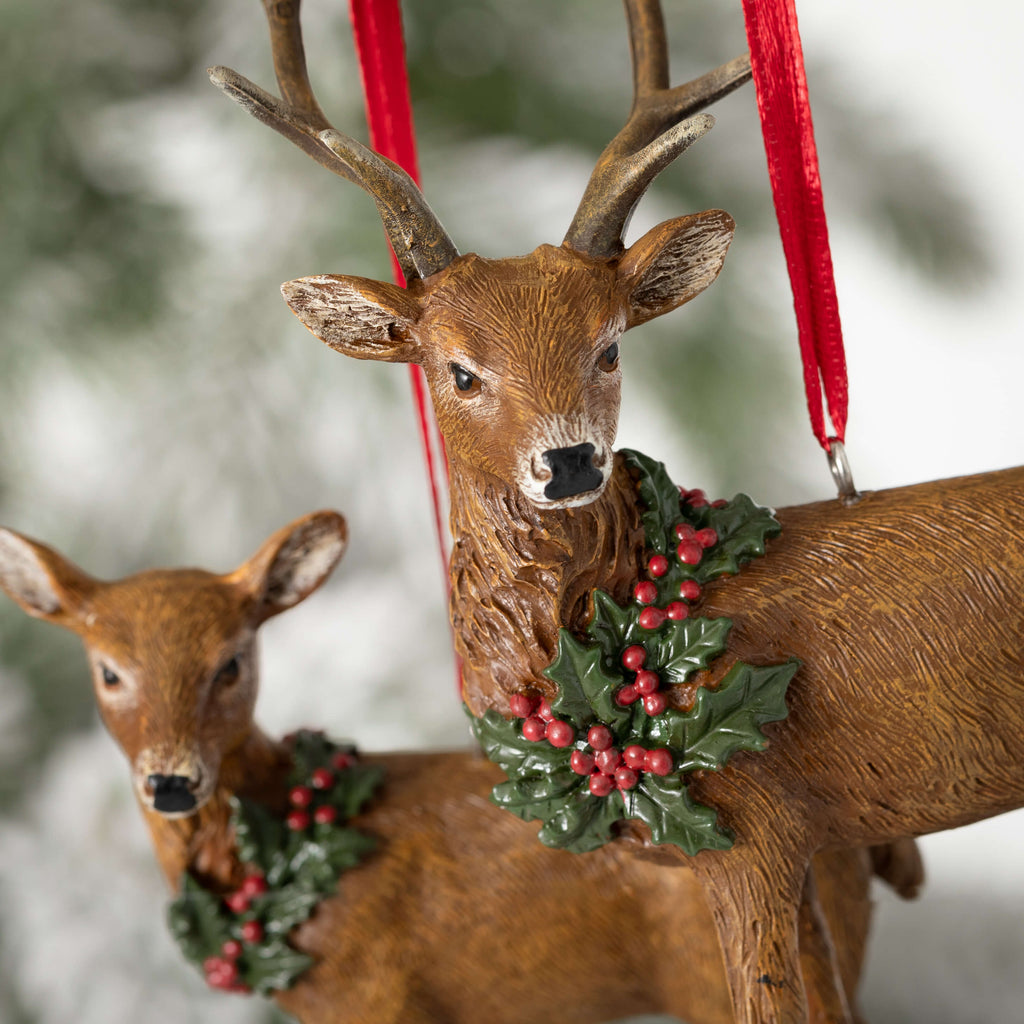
935, 391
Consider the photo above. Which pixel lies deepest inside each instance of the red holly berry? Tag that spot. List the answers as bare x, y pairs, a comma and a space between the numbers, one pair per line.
220, 973
252, 931
297, 821
655, 703
626, 695
684, 531
253, 885
626, 778
719, 503
238, 902
677, 611
322, 778
232, 949
600, 737
658, 762
696, 498
544, 712
601, 785
581, 763
301, 796
651, 618
634, 756
707, 537
646, 682
325, 815
658, 565
633, 657
690, 589
608, 760
533, 729
645, 592
560, 734
343, 760
521, 705
690, 552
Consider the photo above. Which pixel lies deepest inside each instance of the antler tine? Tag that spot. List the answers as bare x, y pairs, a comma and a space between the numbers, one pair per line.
653, 136
421, 244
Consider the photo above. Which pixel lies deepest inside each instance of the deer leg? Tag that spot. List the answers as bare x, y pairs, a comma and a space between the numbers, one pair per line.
826, 995
754, 901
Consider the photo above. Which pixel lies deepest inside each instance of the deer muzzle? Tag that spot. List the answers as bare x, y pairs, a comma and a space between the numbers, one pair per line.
572, 471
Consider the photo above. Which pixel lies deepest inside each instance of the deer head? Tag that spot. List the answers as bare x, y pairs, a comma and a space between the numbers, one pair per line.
521, 354
173, 651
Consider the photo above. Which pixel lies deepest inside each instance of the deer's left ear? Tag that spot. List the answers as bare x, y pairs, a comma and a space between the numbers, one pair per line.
673, 262
295, 561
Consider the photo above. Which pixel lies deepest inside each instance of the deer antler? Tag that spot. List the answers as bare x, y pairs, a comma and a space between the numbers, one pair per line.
656, 132
421, 244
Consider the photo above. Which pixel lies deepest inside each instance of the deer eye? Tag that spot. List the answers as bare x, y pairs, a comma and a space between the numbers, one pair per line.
110, 678
609, 358
468, 384
227, 673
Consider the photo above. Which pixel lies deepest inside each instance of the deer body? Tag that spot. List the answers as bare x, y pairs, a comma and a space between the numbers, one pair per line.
453, 882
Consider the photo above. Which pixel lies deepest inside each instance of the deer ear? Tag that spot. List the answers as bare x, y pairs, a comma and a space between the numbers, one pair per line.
673, 262
356, 316
43, 582
295, 561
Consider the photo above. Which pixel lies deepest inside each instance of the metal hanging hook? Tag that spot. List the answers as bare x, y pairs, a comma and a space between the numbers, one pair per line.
839, 464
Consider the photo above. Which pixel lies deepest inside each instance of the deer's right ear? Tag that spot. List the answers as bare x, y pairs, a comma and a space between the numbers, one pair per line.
43, 582
295, 561
359, 317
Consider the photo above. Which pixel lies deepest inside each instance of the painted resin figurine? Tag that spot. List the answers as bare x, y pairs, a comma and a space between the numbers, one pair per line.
384, 887
619, 665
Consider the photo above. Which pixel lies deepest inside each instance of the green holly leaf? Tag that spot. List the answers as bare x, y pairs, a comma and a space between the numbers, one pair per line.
260, 836
666, 807
659, 495
533, 797
343, 848
725, 720
583, 823
585, 686
354, 787
743, 528
310, 869
615, 627
282, 909
197, 922
311, 749
685, 647
503, 743
274, 965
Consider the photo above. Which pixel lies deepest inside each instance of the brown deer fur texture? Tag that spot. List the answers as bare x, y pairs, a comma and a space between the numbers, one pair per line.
454, 882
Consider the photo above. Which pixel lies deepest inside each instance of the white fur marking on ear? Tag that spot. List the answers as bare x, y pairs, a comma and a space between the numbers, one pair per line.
23, 577
303, 561
339, 314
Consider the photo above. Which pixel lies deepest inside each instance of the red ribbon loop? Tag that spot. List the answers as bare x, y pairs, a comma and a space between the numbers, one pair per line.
778, 65
380, 48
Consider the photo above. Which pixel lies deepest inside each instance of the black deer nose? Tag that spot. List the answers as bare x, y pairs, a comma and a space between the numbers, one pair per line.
171, 793
572, 471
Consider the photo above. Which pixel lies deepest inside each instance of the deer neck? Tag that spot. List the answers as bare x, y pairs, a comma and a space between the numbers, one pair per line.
204, 843
519, 574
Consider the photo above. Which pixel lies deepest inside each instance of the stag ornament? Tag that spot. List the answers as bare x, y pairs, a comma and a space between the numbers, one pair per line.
905, 716
257, 835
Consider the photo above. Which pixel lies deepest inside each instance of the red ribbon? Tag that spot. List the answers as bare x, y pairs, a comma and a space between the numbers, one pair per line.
380, 48
778, 65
